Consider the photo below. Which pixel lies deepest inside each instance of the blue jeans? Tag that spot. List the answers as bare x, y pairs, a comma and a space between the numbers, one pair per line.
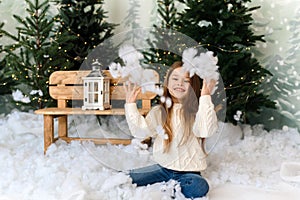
192, 184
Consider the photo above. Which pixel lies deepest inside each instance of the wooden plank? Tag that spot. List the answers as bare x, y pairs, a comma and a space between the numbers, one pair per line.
67, 85
146, 104
79, 111
76, 93
63, 126
66, 92
75, 77
67, 77
48, 131
118, 93
61, 103
100, 140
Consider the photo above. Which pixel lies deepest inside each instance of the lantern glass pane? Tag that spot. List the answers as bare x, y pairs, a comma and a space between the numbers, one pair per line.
91, 98
91, 87
96, 97
96, 87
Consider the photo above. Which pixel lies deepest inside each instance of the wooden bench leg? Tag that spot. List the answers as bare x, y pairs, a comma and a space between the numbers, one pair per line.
63, 126
48, 131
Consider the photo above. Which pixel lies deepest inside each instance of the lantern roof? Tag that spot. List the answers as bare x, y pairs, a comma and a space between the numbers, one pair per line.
96, 69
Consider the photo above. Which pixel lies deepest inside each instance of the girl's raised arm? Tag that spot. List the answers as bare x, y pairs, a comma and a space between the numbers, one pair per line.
206, 122
139, 126
131, 92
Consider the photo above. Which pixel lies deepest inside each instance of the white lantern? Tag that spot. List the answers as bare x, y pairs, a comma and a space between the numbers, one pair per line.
96, 89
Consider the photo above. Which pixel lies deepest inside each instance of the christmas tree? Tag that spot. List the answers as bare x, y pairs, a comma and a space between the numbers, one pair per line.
282, 87
86, 20
34, 54
224, 28
292, 74
160, 55
131, 21
6, 84
293, 57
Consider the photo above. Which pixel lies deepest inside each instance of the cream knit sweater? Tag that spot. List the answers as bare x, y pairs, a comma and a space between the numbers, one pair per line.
181, 157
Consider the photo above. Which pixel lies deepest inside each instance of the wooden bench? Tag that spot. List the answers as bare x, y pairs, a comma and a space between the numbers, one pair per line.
68, 85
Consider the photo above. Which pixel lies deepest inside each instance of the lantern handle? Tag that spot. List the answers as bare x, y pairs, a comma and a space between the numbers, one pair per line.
95, 64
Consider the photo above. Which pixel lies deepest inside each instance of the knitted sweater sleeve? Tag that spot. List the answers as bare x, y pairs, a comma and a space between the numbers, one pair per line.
206, 122
140, 126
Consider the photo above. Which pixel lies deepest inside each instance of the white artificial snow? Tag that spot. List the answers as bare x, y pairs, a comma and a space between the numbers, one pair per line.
39, 92
237, 116
204, 65
19, 96
161, 132
133, 71
237, 169
166, 100
204, 23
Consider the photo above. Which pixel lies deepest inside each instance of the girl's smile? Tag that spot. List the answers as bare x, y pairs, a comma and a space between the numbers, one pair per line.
178, 83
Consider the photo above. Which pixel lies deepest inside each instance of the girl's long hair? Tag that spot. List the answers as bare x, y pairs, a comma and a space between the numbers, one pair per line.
190, 105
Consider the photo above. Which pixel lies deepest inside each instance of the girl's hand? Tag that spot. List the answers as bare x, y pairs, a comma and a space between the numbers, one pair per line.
131, 92
208, 88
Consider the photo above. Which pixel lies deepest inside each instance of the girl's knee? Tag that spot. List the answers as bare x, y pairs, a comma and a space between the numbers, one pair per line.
193, 186
148, 175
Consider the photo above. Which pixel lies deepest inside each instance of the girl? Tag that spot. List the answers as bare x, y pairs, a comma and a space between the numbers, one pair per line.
177, 129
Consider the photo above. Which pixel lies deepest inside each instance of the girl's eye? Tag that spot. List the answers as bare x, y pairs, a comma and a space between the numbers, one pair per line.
187, 81
175, 79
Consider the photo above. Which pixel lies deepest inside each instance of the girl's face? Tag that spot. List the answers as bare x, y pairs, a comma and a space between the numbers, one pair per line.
179, 82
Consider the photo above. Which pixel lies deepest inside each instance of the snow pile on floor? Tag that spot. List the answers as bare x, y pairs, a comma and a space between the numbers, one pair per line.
86, 171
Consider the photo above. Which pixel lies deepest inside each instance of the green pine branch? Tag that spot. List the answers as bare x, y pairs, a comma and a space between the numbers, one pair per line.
34, 53
87, 21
